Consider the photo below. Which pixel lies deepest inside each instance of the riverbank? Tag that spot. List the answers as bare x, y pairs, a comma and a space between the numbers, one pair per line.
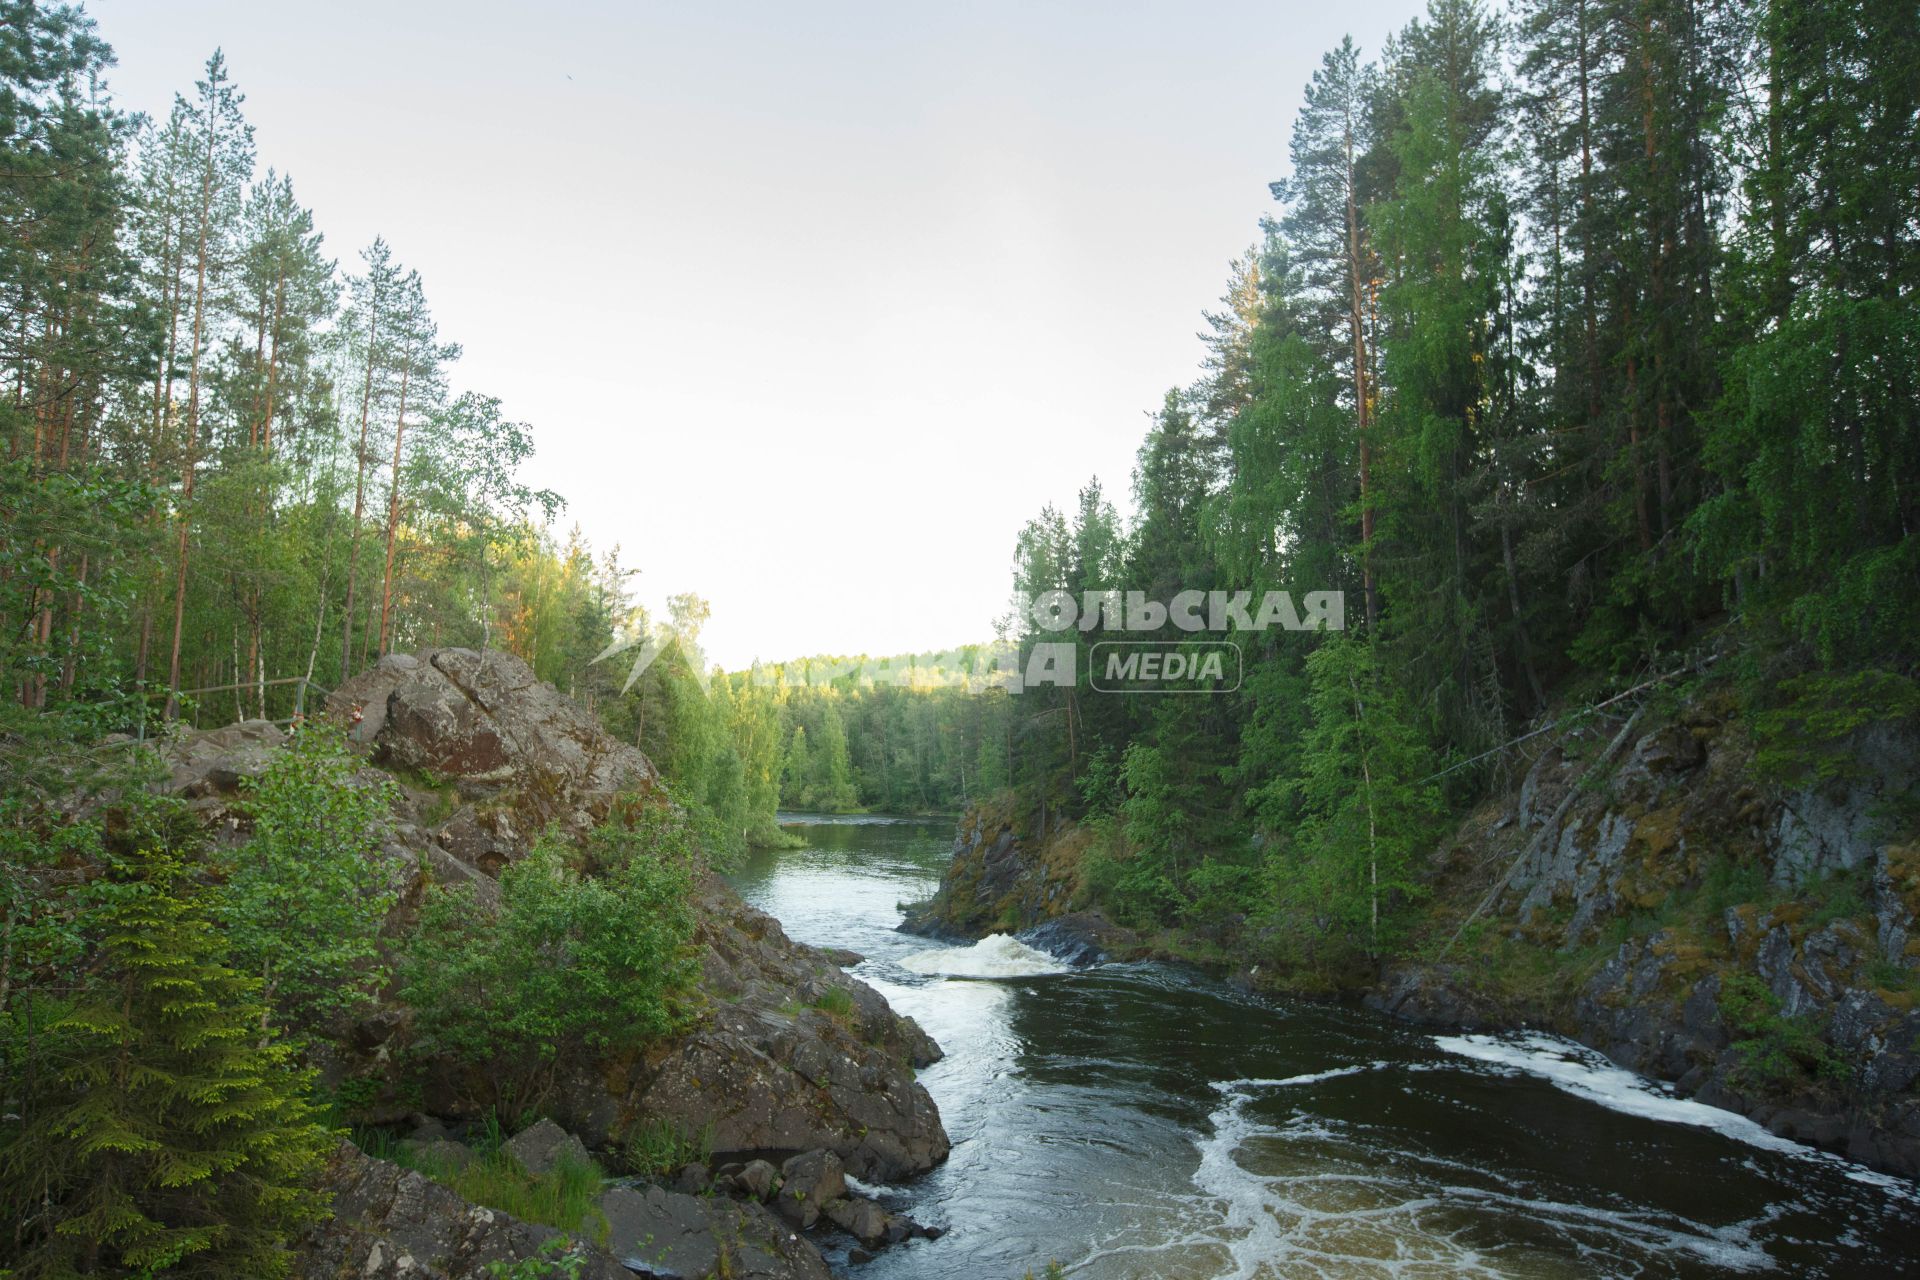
1748, 943
1142, 1118
718, 1144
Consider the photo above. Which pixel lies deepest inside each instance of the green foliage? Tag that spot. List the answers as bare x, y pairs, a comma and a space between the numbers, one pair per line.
1812, 731
1777, 1052
1367, 810
161, 1133
571, 964
566, 1196
557, 1260
307, 894
836, 1002
657, 1146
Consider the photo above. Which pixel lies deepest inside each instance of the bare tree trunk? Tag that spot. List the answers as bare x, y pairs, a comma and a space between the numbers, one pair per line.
191, 457
1356, 322
359, 490
393, 502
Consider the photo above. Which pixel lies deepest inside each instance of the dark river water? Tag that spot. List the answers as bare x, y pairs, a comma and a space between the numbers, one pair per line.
1142, 1121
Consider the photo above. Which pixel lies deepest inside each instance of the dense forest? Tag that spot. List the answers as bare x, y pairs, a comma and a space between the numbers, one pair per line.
235, 475
1581, 350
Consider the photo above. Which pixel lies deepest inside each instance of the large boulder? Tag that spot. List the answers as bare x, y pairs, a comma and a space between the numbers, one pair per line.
544, 1145
510, 754
793, 1055
213, 763
807, 1183
393, 1222
669, 1236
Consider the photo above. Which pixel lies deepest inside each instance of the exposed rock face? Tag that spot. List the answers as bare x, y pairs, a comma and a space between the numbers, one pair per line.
519, 754
393, 1222
669, 1236
1002, 880
1684, 807
211, 766
768, 1072
790, 1055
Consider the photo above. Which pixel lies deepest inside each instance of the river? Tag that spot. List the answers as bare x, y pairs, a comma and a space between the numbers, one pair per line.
1140, 1120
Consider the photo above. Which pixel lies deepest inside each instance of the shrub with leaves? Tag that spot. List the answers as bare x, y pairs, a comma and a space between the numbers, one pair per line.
1776, 1051
574, 961
307, 894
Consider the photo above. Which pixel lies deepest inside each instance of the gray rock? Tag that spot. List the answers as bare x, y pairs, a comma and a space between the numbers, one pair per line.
438, 1153
859, 1217
663, 1234
542, 1145
1669, 750
529, 756
807, 1183
757, 1077
758, 1179
389, 1222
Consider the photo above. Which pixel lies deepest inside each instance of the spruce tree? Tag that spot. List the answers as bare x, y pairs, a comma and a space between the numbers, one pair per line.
177, 1140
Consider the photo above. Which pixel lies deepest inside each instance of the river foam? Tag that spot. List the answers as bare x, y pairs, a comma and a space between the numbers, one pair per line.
1584, 1073
998, 955
1311, 1197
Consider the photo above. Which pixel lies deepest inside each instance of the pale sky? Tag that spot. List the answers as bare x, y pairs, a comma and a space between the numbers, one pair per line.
810, 306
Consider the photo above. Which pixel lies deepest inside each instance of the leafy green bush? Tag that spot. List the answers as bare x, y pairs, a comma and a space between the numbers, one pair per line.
557, 1260
571, 964
307, 894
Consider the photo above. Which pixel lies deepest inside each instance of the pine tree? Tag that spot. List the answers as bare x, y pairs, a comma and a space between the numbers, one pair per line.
1326, 227
218, 154
421, 362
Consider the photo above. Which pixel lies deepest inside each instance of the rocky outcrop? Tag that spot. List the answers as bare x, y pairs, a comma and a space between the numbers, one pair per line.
792, 1055
788, 1057
210, 767
1003, 880
508, 753
1724, 887
393, 1222
667, 1235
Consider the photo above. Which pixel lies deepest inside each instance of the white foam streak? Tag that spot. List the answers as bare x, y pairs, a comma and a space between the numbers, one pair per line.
1580, 1071
1309, 1198
997, 955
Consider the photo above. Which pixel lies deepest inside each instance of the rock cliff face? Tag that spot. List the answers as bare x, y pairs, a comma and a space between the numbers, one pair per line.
511, 753
768, 1071
1004, 880
394, 1222
1753, 944
1707, 923
791, 1055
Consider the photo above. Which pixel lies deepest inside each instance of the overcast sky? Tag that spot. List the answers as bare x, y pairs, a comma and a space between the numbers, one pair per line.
810, 305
